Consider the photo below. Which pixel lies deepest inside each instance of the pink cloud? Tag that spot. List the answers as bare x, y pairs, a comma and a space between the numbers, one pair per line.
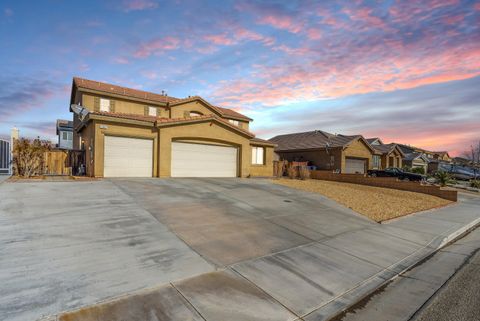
220, 39
237, 35
281, 22
156, 46
314, 33
137, 5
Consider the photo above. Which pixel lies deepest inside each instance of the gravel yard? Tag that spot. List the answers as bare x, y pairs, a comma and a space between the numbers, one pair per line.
379, 204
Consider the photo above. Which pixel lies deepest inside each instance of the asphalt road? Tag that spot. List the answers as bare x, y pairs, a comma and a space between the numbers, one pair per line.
459, 299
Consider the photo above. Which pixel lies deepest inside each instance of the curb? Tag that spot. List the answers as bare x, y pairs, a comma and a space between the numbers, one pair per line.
343, 302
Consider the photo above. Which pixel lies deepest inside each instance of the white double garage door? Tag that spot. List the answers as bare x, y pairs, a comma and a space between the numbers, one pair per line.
133, 157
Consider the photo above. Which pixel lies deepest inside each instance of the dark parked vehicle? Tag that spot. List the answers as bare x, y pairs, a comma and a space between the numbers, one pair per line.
395, 172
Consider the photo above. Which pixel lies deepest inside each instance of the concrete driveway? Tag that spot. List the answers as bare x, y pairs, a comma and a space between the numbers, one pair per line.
208, 249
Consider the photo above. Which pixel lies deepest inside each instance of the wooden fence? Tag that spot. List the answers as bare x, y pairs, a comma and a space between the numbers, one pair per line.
386, 182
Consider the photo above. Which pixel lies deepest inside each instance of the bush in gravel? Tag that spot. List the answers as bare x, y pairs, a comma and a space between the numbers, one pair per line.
291, 172
475, 183
303, 172
29, 156
442, 177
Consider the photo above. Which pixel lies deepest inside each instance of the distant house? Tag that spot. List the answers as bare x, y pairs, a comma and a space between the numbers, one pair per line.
442, 156
65, 134
326, 151
416, 160
385, 155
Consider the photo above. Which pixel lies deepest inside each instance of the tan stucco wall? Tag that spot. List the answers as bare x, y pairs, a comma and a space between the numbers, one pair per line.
267, 168
179, 110
123, 130
357, 149
123, 106
205, 131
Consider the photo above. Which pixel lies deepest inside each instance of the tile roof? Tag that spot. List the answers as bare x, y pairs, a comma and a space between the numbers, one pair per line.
162, 120
227, 112
151, 119
64, 123
123, 91
204, 117
140, 94
261, 141
311, 140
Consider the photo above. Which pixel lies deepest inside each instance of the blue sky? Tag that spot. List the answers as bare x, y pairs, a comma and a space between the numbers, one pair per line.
406, 71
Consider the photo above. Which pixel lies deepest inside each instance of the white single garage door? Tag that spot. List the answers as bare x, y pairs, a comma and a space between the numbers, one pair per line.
128, 157
353, 165
201, 160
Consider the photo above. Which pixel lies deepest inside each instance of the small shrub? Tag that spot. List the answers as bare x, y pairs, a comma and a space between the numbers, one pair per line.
407, 169
29, 156
280, 169
303, 172
292, 172
418, 170
442, 177
475, 183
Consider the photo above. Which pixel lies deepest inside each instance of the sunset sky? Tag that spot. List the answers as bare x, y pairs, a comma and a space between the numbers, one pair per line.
405, 71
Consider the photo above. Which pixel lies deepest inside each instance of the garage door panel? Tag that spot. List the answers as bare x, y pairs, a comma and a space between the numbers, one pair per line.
353, 165
201, 160
128, 157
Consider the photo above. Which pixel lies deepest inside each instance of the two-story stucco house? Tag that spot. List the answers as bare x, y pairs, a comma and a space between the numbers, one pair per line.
65, 134
132, 133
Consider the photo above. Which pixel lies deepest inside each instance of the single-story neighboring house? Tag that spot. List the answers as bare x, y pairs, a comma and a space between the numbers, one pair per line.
65, 134
346, 154
386, 155
416, 160
132, 133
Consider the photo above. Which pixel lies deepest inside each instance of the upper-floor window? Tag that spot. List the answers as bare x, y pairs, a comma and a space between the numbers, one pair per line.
152, 111
104, 104
258, 156
234, 122
67, 135
195, 114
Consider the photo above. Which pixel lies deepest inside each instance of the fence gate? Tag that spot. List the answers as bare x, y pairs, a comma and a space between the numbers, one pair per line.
5, 157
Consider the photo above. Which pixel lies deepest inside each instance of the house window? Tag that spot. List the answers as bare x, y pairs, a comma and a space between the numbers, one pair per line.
69, 136
376, 161
234, 122
195, 114
104, 105
65, 135
258, 156
152, 111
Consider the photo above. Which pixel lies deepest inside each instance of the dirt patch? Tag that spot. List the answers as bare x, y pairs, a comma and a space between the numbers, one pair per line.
377, 203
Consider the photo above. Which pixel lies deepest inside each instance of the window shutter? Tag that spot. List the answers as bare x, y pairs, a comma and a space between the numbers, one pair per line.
96, 104
112, 106
145, 110
186, 114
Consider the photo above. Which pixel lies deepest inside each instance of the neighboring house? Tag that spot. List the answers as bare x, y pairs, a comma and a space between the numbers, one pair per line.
461, 161
442, 156
65, 134
386, 155
416, 160
346, 154
127, 132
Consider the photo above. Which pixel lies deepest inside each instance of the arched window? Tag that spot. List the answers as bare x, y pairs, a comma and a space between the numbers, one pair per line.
195, 113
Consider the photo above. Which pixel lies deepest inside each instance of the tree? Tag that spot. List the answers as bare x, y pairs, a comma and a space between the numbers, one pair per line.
29, 156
